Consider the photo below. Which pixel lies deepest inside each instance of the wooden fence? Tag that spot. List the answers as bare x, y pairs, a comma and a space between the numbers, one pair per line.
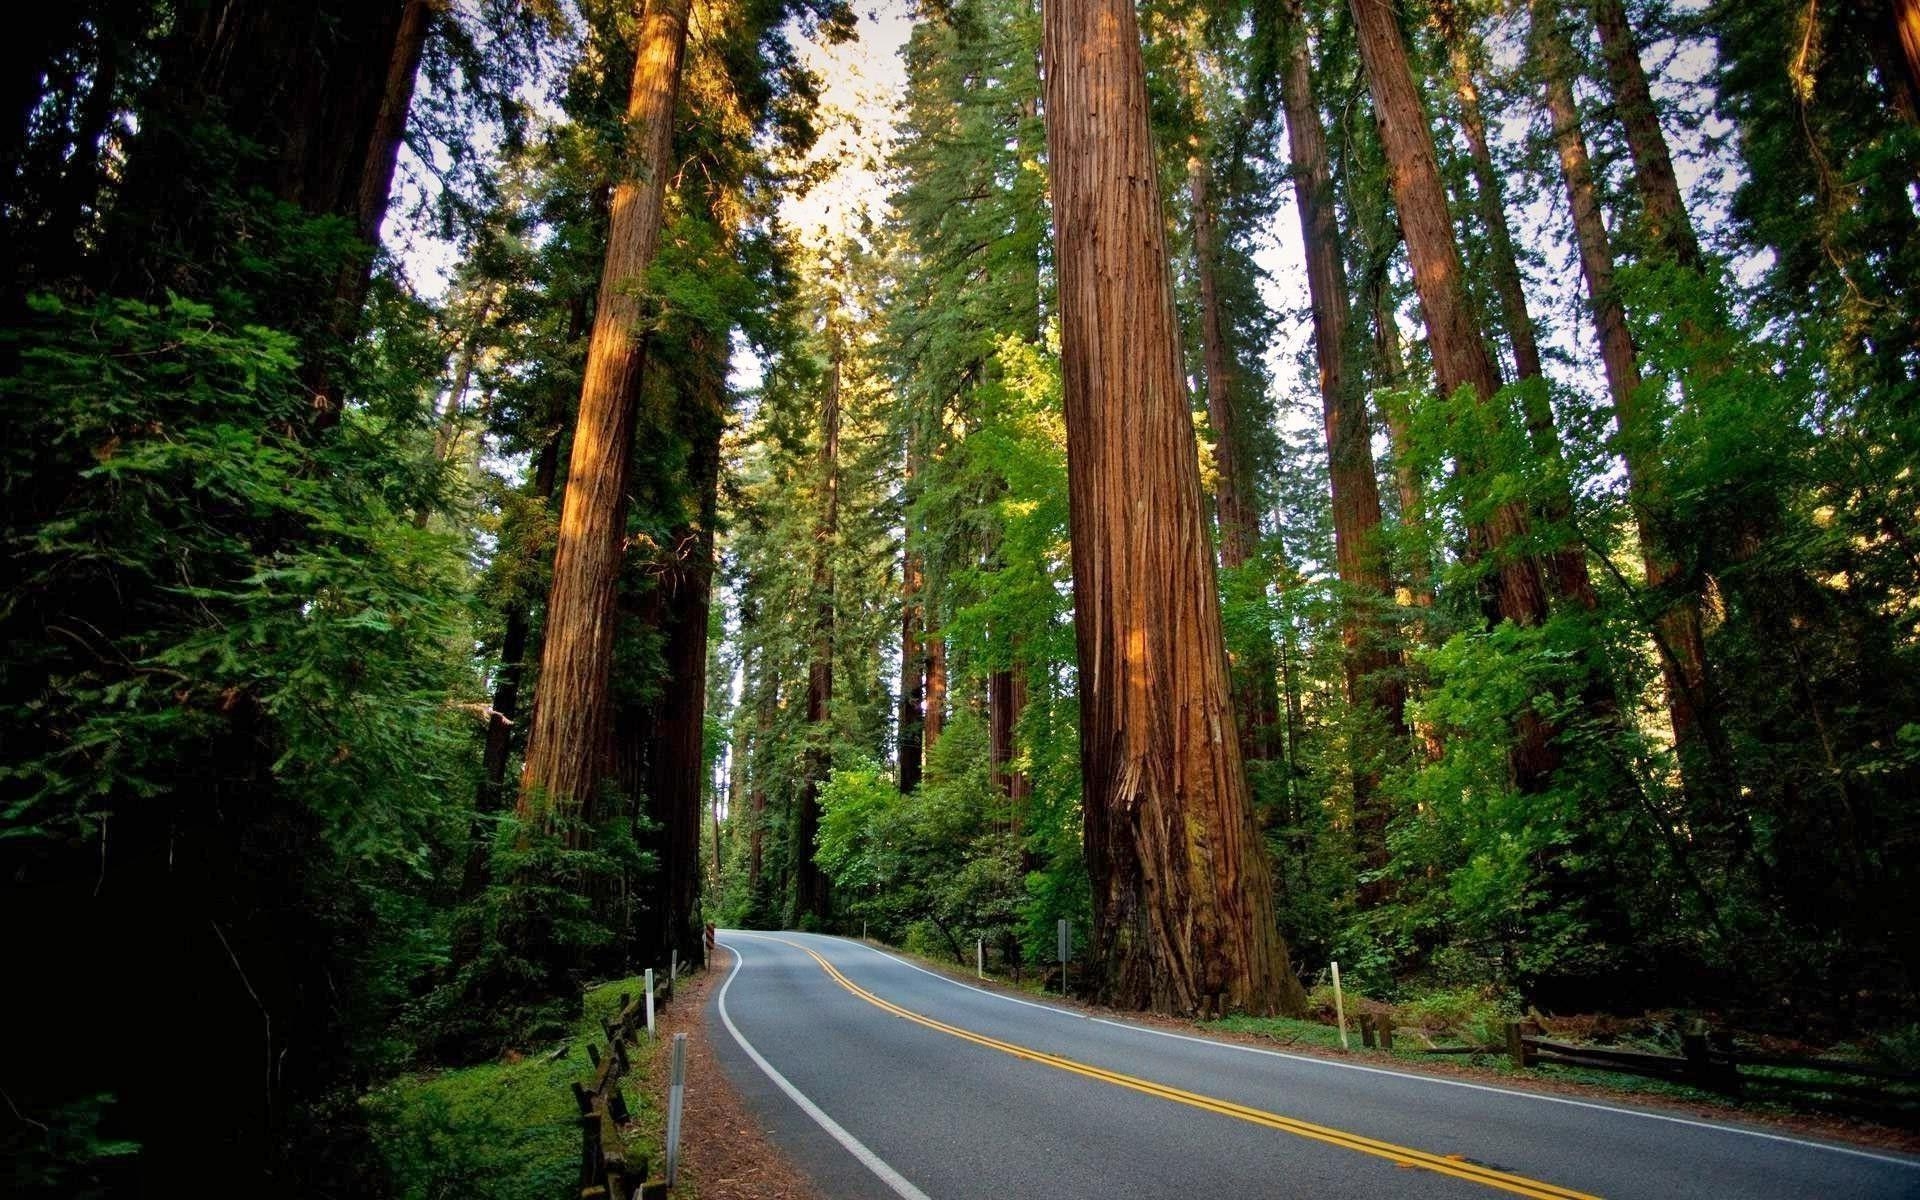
1707, 1059
605, 1174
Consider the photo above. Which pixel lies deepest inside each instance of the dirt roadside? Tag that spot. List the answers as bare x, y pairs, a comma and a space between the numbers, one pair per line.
725, 1151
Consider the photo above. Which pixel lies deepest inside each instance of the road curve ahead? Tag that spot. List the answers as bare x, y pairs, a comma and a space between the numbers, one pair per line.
886, 1081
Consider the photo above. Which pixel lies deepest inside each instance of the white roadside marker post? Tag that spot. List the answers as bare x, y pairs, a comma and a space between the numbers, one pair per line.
1339, 1007
980, 957
649, 1003
676, 1100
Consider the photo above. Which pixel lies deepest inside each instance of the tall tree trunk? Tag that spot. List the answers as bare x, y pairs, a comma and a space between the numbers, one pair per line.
1460, 358
1661, 206
567, 748
1256, 702
1490, 202
934, 715
1373, 679
446, 434
1391, 372
1706, 763
810, 882
766, 700
1905, 83
1568, 562
676, 723
1006, 696
913, 659
1183, 892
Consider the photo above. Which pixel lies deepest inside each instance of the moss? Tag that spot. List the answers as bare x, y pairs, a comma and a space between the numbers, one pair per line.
504, 1130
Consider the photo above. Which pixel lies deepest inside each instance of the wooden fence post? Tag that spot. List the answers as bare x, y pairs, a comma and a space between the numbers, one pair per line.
1366, 1030
1386, 1032
1517, 1045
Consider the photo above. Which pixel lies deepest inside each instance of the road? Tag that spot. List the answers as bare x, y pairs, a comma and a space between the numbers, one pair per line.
883, 1080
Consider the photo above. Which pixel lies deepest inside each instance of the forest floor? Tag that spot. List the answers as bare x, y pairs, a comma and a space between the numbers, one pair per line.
505, 1129
1321, 1039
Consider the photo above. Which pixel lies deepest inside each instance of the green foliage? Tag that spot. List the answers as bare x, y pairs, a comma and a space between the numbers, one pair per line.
504, 1128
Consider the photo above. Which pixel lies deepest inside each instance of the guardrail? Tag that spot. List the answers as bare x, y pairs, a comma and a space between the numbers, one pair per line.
1708, 1059
605, 1174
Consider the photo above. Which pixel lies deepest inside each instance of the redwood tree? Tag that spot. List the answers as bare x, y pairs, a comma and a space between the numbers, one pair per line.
568, 745
1183, 899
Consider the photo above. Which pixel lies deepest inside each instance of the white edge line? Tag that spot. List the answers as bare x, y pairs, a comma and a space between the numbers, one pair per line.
1894, 1160
873, 1162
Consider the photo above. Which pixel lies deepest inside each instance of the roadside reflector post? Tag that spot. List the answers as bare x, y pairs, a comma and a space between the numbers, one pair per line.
980, 957
1066, 948
673, 971
1339, 1007
649, 1003
676, 1101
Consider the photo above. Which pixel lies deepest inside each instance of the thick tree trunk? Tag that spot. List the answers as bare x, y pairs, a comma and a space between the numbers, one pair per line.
1906, 32
676, 724
1460, 358
810, 882
567, 748
1661, 206
1256, 702
1183, 893
1373, 679
1680, 637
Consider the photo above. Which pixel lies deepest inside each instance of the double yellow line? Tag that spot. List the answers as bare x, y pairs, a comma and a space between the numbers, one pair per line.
1403, 1156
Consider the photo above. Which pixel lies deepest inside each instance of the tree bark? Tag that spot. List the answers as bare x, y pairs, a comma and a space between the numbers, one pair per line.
1256, 701
1906, 28
1661, 206
675, 726
1183, 892
1373, 679
1490, 202
913, 660
1460, 358
1006, 696
934, 715
567, 748
810, 882
1391, 372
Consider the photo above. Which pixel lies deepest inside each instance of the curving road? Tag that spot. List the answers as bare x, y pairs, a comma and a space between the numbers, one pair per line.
884, 1080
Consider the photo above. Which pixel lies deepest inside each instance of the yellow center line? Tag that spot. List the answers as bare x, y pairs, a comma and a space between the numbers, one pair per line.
1403, 1156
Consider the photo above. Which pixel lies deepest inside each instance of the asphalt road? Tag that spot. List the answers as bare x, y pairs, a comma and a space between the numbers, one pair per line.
883, 1080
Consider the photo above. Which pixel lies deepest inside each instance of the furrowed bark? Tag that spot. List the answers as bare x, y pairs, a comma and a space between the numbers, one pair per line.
1183, 896
567, 748
810, 882
1256, 701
